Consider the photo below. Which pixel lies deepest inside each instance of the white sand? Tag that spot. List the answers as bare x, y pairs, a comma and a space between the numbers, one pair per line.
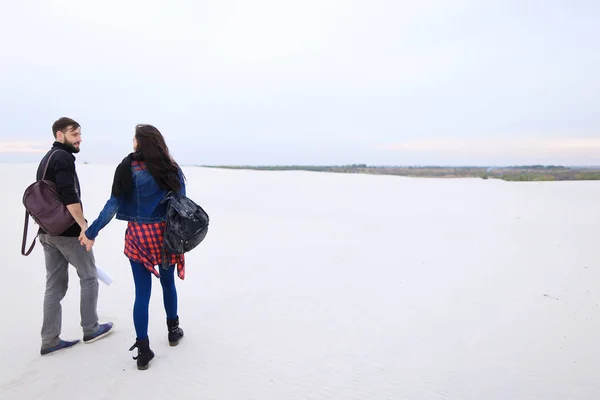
327, 286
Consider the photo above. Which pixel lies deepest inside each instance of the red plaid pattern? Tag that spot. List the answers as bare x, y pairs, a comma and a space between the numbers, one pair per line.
143, 243
138, 165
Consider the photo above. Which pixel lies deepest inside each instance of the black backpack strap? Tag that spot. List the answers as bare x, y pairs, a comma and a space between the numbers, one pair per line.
164, 254
26, 225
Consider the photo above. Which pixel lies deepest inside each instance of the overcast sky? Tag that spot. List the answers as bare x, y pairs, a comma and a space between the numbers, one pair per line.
307, 81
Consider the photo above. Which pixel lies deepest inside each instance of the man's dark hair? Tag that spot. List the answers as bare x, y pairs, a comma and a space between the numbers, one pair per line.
62, 124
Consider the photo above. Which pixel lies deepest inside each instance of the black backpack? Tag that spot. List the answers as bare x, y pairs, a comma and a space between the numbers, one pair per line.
186, 224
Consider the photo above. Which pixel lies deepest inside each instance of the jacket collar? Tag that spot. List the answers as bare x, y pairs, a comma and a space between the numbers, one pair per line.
61, 146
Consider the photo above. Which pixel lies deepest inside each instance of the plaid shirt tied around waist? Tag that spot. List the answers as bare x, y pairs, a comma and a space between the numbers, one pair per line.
143, 244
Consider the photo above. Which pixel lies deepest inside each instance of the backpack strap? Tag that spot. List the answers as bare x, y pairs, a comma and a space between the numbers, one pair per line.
164, 254
28, 252
48, 163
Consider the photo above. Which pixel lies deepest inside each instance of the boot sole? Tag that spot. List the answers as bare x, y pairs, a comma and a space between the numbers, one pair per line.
145, 367
175, 343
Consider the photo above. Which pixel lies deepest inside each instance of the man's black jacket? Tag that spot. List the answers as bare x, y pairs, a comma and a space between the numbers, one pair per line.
61, 171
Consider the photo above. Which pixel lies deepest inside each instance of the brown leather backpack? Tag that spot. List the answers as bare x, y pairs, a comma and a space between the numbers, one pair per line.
43, 202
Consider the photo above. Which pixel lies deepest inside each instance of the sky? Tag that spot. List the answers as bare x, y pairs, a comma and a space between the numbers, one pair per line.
280, 82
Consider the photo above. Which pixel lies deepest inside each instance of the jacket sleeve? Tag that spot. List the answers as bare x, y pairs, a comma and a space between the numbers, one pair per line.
110, 208
106, 215
122, 181
65, 181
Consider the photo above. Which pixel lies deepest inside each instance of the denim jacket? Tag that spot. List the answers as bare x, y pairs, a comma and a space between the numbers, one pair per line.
143, 205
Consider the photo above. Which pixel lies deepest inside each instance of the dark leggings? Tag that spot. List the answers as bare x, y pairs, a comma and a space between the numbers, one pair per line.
143, 287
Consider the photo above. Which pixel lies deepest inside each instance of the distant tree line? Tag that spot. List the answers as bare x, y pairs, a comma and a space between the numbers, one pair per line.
511, 173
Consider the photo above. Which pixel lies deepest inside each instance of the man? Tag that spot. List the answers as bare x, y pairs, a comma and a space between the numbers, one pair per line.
65, 249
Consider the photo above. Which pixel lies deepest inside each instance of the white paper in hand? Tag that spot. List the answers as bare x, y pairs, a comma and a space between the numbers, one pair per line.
104, 276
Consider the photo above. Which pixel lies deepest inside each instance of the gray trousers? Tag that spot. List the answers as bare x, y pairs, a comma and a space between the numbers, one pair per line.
60, 251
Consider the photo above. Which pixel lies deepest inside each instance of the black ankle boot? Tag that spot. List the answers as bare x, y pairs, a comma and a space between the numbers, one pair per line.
144, 353
175, 332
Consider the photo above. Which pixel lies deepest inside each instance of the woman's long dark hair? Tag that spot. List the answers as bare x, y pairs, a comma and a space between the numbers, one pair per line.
152, 148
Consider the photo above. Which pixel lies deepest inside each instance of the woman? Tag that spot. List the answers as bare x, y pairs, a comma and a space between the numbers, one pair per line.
141, 181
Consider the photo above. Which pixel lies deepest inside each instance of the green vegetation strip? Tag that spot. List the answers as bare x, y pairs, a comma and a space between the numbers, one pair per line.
517, 173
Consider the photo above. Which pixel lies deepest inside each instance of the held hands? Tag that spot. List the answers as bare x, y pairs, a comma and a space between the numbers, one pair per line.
84, 241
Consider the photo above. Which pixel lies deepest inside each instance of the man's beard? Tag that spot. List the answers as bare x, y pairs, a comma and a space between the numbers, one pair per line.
71, 147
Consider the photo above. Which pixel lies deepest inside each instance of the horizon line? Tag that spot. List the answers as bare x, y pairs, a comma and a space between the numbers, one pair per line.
356, 165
